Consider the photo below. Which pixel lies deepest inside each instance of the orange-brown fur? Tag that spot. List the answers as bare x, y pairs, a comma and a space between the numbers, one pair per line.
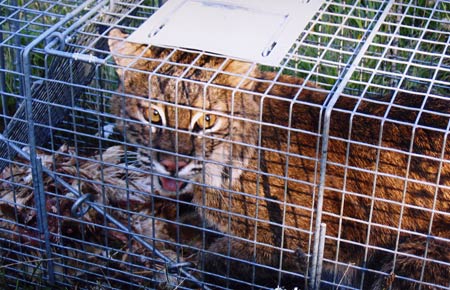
383, 172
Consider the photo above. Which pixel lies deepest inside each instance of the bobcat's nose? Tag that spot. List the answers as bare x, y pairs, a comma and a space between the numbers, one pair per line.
173, 165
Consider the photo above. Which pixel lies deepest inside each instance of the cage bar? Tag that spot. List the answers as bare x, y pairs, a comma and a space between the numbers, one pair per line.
372, 79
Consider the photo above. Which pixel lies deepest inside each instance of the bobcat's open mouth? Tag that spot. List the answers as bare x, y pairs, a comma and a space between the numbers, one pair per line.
172, 185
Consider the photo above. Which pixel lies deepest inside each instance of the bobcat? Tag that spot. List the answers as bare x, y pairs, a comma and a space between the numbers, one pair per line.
247, 144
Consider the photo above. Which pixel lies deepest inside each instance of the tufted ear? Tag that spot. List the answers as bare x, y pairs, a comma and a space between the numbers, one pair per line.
123, 52
238, 74
142, 57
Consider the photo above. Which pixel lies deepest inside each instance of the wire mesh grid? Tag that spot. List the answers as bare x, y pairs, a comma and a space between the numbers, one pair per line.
331, 170
21, 23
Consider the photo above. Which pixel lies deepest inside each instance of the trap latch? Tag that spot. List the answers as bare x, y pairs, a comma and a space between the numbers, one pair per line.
81, 205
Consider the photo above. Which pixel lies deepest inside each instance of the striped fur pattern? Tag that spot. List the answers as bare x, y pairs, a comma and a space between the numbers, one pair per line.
245, 143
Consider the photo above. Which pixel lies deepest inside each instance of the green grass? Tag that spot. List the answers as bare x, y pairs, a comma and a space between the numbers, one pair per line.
343, 28
419, 65
24, 22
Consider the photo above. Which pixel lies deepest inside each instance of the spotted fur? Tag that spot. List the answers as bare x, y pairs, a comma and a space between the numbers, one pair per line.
254, 169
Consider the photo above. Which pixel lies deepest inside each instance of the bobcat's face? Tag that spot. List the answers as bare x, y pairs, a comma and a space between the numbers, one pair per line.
190, 118
191, 133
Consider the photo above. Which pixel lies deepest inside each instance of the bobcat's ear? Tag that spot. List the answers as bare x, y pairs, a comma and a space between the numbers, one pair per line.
240, 72
123, 52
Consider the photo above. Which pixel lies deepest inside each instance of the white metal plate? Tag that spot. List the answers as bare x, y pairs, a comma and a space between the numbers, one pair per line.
262, 31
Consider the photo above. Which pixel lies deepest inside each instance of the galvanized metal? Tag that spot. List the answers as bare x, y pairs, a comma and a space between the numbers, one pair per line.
81, 230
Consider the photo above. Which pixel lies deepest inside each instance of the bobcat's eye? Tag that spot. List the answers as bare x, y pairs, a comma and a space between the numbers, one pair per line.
153, 115
206, 121
156, 117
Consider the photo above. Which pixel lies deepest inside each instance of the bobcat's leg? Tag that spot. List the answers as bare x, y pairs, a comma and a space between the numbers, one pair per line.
236, 259
409, 264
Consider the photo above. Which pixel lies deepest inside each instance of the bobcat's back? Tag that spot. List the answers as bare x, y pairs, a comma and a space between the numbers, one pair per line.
247, 144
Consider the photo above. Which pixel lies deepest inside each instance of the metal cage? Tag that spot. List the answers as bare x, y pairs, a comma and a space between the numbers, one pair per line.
77, 212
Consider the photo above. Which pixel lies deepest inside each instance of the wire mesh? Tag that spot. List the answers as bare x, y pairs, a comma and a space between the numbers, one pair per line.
21, 23
347, 187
